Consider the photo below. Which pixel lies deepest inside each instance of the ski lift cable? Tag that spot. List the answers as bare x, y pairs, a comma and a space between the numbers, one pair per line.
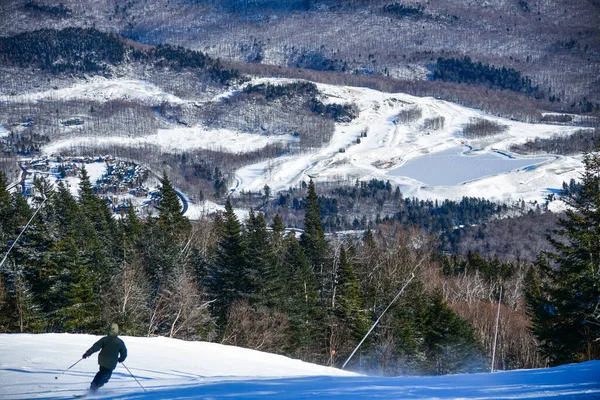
412, 275
23, 230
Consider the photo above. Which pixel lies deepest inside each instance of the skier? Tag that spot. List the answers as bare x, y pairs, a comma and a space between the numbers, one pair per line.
113, 350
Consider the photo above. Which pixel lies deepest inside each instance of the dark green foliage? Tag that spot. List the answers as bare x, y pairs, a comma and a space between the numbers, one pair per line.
425, 336
159, 251
492, 270
338, 112
226, 280
524, 6
277, 235
179, 57
348, 305
79, 311
292, 90
315, 60
571, 189
467, 71
300, 302
24, 143
75, 268
400, 10
436, 217
564, 294
264, 277
169, 209
5, 207
450, 343
433, 216
70, 49
576, 143
312, 239
91, 51
306, 92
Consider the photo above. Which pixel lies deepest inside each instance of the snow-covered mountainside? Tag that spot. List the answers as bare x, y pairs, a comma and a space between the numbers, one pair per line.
381, 143
174, 369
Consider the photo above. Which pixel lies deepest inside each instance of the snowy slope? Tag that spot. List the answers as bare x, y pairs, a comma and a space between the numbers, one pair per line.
102, 89
387, 146
174, 369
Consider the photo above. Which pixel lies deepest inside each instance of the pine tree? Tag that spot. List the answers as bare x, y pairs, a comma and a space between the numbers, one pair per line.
81, 311
301, 302
87, 197
98, 231
348, 302
277, 234
227, 281
159, 252
450, 342
5, 206
261, 265
169, 209
130, 226
564, 299
312, 239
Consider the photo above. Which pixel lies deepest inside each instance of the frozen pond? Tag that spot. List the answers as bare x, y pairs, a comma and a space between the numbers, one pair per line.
451, 167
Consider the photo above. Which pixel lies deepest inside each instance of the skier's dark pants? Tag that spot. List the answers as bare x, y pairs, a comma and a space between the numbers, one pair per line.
101, 378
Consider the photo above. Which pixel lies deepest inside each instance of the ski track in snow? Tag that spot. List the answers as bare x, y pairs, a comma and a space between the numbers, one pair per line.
175, 369
386, 147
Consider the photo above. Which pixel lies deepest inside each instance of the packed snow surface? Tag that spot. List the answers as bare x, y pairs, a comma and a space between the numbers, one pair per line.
174, 369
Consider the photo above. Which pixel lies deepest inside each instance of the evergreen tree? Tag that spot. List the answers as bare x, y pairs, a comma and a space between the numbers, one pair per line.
87, 198
301, 303
227, 281
81, 311
450, 341
5, 206
130, 227
312, 239
159, 252
564, 296
169, 209
261, 265
98, 231
277, 234
348, 302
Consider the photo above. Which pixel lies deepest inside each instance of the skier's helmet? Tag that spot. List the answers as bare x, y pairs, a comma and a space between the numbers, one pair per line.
113, 330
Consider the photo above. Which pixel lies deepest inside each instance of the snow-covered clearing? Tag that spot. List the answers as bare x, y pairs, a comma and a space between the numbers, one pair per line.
180, 139
174, 369
351, 155
102, 89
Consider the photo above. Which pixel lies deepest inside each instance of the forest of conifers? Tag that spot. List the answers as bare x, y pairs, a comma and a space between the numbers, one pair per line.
305, 294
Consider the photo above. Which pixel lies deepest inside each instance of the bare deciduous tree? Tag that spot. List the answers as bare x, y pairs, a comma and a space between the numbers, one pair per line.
126, 297
261, 329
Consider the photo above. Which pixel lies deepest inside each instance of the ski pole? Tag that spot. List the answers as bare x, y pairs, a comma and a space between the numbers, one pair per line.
56, 377
133, 376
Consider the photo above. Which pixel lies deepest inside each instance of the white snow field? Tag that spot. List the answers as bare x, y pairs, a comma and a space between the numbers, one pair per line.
175, 369
387, 145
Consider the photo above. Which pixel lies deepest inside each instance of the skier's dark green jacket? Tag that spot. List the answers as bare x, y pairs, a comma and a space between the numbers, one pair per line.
112, 348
